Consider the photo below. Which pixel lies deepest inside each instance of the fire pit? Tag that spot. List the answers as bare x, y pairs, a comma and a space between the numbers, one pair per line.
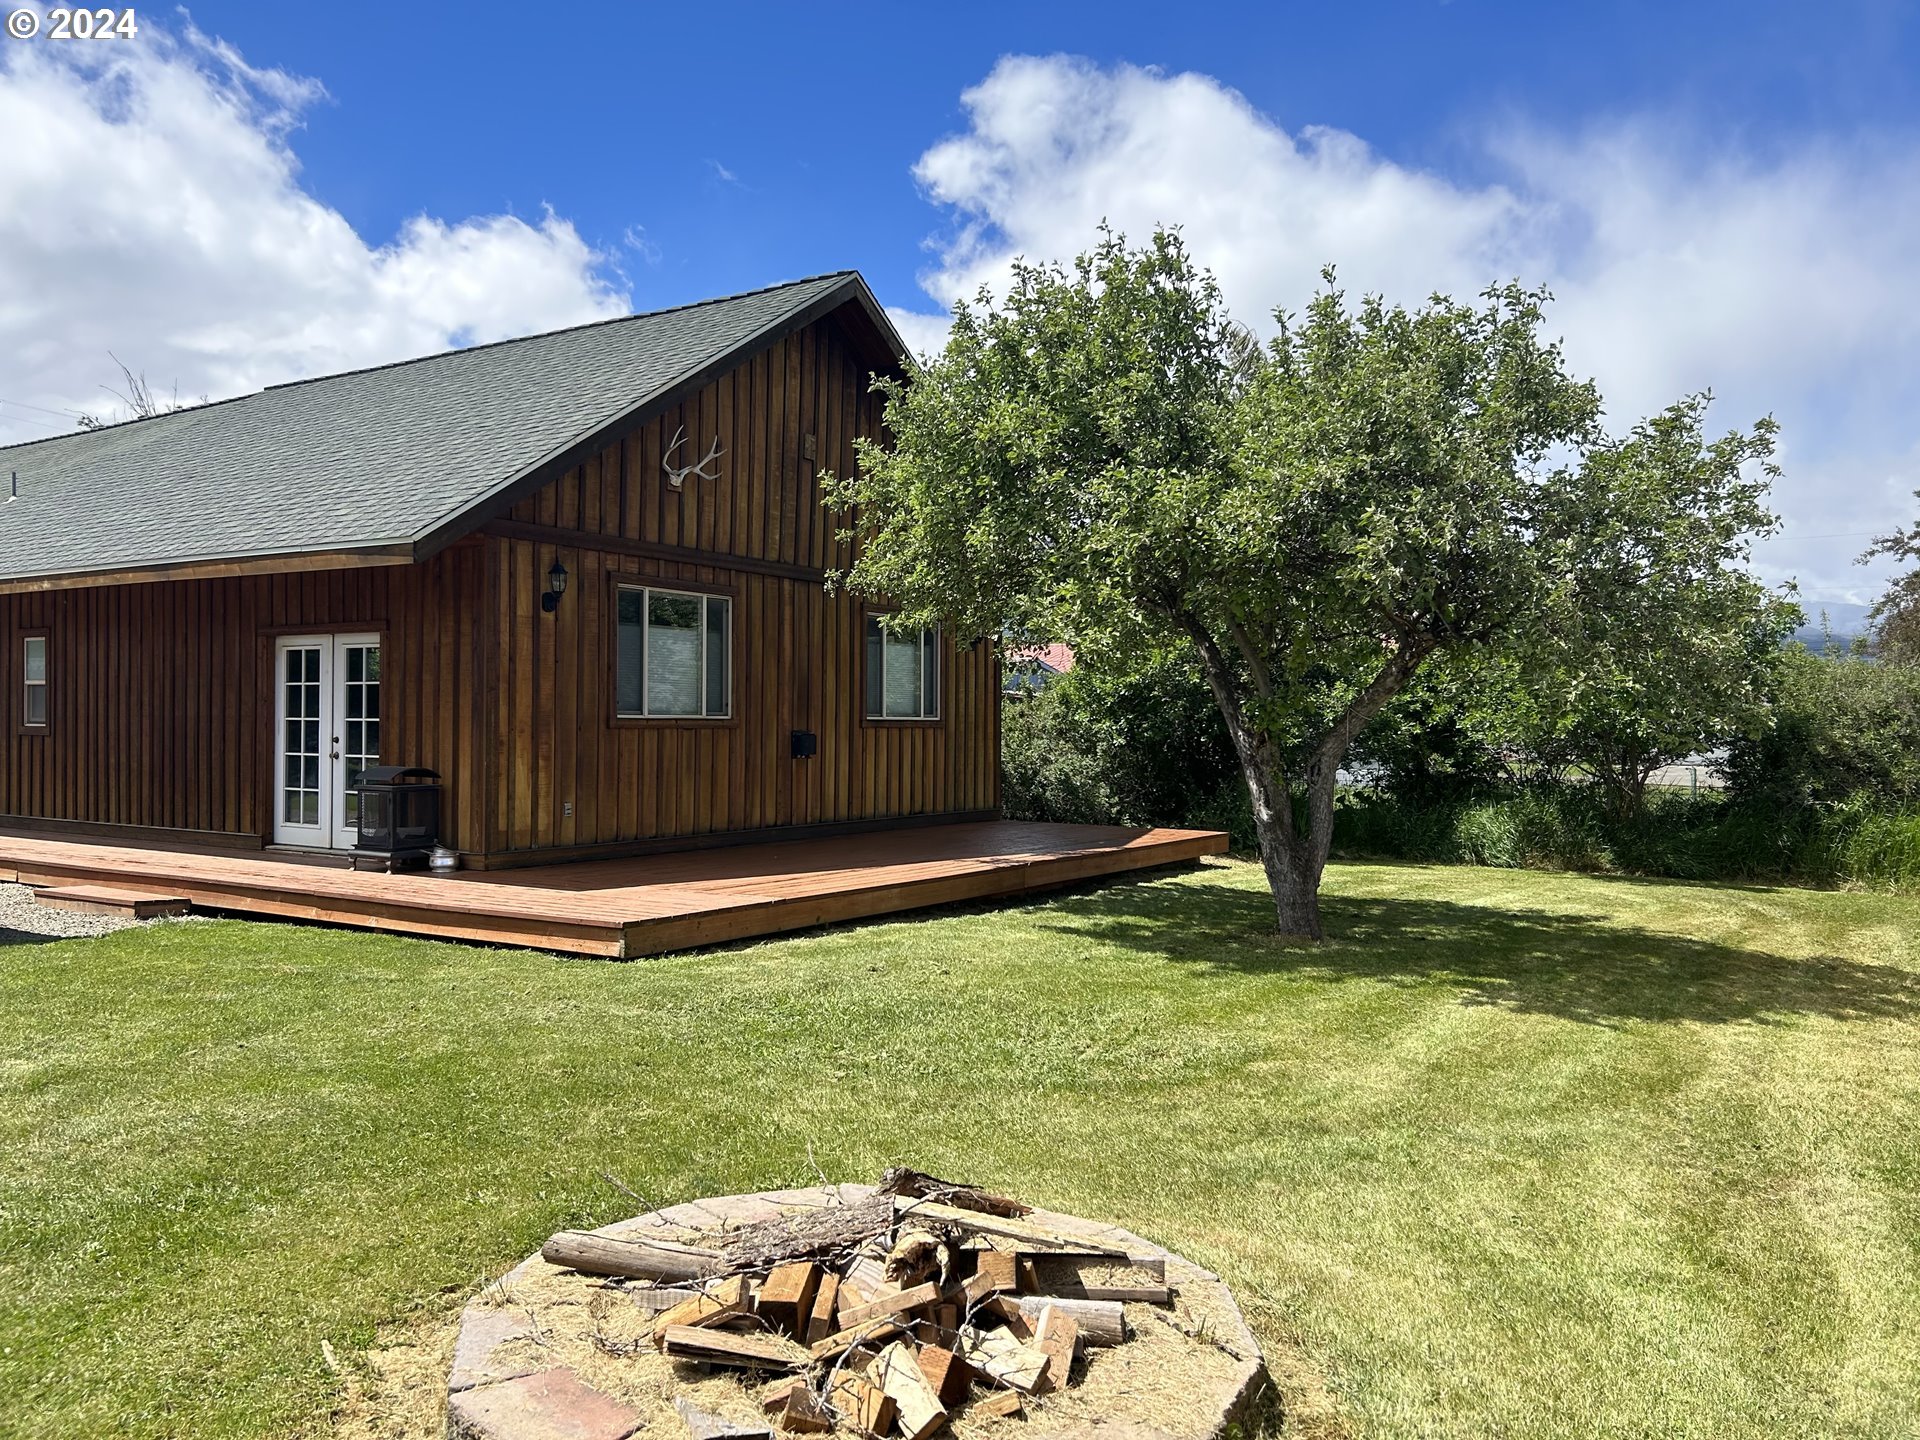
895, 1312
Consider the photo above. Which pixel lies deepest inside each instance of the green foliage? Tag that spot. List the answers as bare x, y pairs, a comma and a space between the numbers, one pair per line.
1843, 726
1141, 749
1678, 836
1100, 458
1663, 644
1896, 617
1465, 726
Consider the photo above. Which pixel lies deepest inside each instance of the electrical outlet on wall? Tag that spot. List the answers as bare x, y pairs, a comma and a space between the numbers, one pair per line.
566, 809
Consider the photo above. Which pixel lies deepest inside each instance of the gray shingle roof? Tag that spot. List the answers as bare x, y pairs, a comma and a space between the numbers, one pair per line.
371, 458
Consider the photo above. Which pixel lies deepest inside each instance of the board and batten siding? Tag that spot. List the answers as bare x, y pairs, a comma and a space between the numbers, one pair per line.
573, 776
161, 711
161, 708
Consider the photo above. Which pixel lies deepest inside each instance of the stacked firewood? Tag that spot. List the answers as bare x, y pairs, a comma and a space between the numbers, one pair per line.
883, 1317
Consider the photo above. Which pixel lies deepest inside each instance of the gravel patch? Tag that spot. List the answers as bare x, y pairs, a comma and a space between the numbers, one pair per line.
24, 920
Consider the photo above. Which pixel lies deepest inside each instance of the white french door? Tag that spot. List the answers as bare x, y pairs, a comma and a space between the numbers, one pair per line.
327, 731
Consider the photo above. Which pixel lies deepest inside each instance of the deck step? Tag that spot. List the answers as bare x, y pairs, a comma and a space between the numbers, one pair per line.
106, 900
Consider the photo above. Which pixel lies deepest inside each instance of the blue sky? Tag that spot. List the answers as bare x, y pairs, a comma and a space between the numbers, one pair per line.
1721, 196
752, 143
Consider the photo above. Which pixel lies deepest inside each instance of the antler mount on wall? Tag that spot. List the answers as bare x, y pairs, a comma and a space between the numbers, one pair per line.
677, 474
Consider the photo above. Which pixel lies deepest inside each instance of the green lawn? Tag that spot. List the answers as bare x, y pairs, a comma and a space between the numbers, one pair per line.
1514, 1154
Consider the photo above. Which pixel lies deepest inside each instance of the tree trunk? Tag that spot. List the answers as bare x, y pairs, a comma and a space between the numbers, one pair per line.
1285, 854
1294, 861
1294, 883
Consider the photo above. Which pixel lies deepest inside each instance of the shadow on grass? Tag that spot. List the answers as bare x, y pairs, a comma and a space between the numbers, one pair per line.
1584, 968
9, 936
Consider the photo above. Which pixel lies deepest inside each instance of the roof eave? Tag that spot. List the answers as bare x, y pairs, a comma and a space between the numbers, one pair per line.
211, 567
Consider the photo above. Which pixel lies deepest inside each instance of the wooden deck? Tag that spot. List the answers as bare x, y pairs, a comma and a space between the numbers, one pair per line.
641, 906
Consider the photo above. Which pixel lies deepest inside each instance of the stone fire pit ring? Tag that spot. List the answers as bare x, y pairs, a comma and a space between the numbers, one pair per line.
541, 1355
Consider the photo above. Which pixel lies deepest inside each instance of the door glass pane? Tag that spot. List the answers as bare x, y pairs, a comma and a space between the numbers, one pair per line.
630, 674
300, 739
673, 654
903, 675
359, 738
876, 670
719, 670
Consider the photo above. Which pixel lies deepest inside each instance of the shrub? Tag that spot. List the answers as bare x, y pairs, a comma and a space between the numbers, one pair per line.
1843, 726
1148, 750
1705, 837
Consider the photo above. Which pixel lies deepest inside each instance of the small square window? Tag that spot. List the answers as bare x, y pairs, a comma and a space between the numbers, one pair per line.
903, 672
672, 654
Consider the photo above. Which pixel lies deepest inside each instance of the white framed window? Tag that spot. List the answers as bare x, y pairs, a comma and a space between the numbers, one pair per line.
903, 672
673, 655
33, 682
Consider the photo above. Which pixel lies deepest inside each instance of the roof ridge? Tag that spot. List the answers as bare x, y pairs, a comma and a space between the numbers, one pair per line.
79, 430
436, 355
562, 330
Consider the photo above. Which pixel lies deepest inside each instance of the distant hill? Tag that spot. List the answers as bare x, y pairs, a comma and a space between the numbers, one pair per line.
1846, 622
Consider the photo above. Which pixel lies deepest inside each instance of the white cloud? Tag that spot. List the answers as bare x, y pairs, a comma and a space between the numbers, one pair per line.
924, 334
1787, 284
151, 206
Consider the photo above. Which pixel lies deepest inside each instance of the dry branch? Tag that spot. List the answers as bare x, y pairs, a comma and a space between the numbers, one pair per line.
913, 1185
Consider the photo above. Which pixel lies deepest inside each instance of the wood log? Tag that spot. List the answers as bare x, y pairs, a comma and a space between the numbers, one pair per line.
1025, 1234
915, 1185
775, 1396
726, 1301
1007, 1307
785, 1300
723, 1347
805, 1414
841, 1341
1056, 1336
863, 1405
998, 1402
946, 1372
898, 1373
633, 1259
849, 1296
1000, 1356
868, 1273
656, 1298
1100, 1322
824, 1230
994, 1272
897, 1302
820, 1321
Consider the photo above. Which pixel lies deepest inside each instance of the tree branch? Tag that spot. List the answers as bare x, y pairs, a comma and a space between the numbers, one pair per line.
1256, 666
1254, 749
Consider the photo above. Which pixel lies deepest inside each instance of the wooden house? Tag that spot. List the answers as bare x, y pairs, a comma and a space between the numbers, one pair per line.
581, 576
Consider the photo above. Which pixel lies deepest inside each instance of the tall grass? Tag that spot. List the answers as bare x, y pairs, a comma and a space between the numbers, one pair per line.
1680, 836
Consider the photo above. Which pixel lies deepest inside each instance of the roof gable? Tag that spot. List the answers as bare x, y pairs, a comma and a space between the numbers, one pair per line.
401, 458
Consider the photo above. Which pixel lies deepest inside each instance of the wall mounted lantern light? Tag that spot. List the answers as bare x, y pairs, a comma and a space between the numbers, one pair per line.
556, 587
